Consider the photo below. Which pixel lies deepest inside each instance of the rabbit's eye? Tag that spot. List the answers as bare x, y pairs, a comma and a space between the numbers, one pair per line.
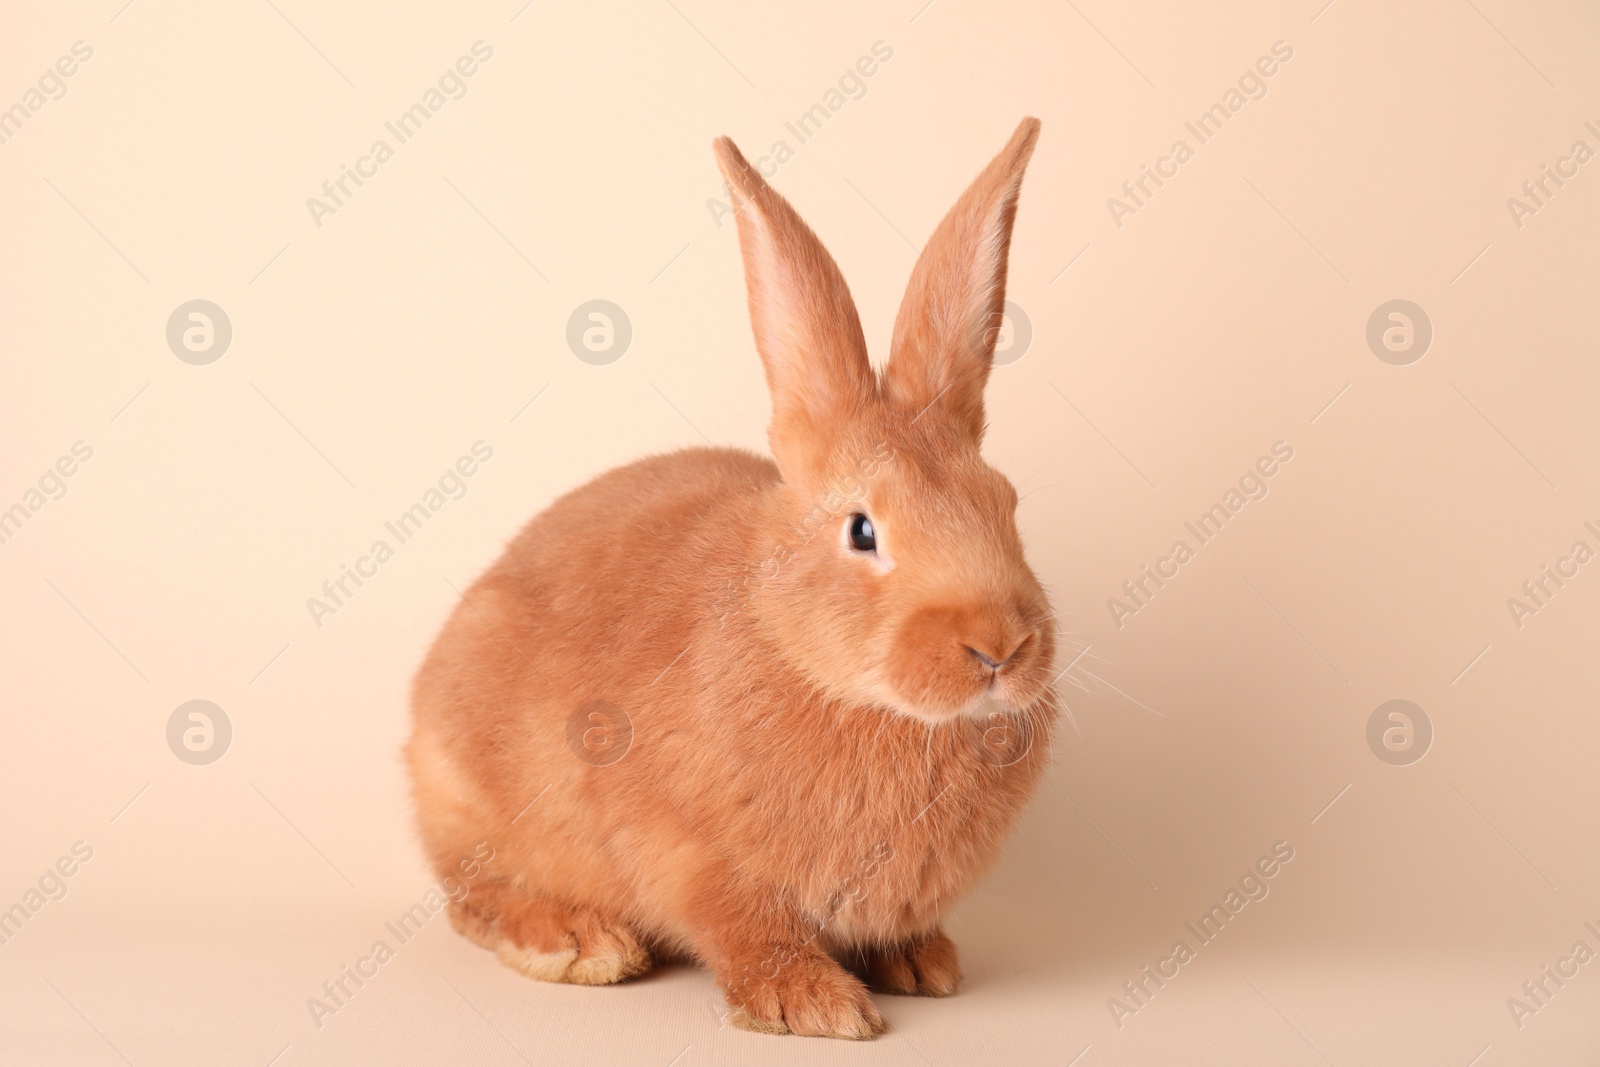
862, 539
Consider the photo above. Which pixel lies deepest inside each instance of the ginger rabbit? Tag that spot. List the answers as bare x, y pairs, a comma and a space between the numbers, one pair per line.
774, 717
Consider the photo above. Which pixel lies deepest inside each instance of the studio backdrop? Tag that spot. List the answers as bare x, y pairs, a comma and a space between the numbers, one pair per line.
309, 308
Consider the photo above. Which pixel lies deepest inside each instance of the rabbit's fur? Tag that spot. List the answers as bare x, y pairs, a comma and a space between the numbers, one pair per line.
693, 719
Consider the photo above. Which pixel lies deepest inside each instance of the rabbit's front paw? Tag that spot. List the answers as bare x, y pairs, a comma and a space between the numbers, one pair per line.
800, 991
923, 966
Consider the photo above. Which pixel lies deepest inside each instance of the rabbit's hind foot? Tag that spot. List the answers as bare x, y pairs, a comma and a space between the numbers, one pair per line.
550, 941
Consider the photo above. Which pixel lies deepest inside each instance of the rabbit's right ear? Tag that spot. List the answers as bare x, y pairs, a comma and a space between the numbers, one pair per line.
806, 327
945, 334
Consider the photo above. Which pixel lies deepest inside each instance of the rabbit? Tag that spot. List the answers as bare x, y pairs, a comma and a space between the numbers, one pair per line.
771, 717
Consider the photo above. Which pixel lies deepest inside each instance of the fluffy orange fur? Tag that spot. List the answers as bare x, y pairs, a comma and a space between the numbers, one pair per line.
694, 721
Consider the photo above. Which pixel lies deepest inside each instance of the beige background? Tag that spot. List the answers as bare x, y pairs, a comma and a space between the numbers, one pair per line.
1227, 314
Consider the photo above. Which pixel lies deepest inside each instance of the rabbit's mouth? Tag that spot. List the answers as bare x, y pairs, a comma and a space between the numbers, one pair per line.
1004, 692
939, 684
964, 659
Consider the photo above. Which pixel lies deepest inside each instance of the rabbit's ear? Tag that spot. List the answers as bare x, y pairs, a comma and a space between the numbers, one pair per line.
945, 334
806, 327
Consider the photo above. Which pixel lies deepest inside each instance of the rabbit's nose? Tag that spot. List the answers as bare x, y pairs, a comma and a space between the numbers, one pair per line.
985, 659
993, 661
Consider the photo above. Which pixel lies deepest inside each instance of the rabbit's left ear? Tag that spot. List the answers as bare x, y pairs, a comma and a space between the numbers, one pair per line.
945, 334
805, 323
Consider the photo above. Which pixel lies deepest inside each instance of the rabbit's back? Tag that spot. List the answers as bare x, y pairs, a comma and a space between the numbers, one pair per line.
587, 605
